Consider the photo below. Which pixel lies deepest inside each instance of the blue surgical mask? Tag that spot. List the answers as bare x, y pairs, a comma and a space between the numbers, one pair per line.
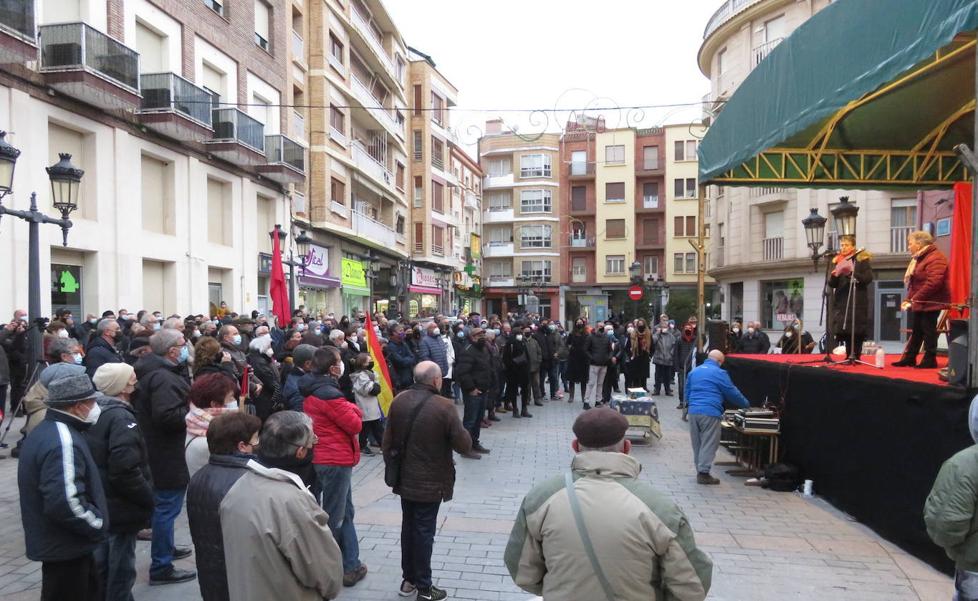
157, 326
78, 358
184, 355
237, 338
610, 333
460, 334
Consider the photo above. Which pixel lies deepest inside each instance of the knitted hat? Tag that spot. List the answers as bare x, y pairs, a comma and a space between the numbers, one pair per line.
600, 428
56, 371
111, 378
70, 390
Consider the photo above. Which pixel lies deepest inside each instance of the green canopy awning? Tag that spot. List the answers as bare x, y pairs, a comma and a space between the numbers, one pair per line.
865, 94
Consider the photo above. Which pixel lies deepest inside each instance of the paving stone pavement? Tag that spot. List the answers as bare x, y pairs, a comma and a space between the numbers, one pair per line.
765, 545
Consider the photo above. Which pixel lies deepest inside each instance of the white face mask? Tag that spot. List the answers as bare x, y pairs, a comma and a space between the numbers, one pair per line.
354, 339
519, 337
631, 330
62, 333
750, 330
93, 414
436, 332
232, 406
342, 368
270, 352
789, 334
736, 330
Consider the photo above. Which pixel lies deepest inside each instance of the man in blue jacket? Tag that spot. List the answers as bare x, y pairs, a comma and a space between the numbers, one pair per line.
301, 365
62, 503
707, 387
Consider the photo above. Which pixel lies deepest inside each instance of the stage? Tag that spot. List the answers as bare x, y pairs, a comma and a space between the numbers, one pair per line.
871, 440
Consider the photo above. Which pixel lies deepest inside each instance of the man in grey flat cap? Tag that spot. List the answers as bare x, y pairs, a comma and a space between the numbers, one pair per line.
62, 503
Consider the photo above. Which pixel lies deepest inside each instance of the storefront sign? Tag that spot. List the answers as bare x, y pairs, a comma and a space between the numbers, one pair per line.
354, 273
317, 268
424, 281
475, 247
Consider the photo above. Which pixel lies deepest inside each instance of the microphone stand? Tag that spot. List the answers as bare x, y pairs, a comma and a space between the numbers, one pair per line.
850, 316
825, 314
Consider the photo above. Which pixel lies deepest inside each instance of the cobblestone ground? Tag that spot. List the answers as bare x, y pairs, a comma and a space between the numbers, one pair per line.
765, 545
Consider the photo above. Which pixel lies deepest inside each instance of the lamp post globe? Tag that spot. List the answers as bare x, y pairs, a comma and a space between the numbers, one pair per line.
814, 231
845, 216
65, 184
8, 160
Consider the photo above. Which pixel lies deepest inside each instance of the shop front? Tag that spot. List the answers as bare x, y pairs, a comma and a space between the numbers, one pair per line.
356, 289
316, 282
424, 293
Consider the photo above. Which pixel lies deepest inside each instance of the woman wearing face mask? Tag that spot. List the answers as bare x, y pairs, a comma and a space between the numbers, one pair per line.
516, 359
211, 395
578, 365
210, 358
795, 340
260, 358
337, 424
638, 349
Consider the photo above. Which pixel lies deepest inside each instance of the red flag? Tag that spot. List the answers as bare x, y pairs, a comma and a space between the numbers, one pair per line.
960, 268
386, 396
277, 289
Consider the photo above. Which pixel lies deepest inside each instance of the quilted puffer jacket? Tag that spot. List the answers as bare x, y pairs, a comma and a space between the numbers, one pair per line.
335, 420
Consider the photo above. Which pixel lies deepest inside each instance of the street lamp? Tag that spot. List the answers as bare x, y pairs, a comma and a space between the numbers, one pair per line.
65, 181
302, 242
635, 271
814, 231
845, 216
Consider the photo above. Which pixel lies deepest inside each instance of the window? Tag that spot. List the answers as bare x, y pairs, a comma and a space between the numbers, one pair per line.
500, 235
903, 220
219, 229
720, 61
215, 82
500, 200
650, 195
499, 167
418, 108
536, 269
684, 262
156, 187
614, 264
418, 145
152, 47
399, 224
262, 19
437, 109
336, 192
399, 176
419, 237
215, 5
535, 165
774, 224
535, 201
336, 49
614, 155
437, 197
578, 198
535, 236
578, 231
651, 266
337, 120
684, 188
614, 228
650, 157
685, 150
578, 164
399, 67
418, 192
782, 301
684, 226
650, 231
614, 192
501, 269
437, 153
579, 269
438, 240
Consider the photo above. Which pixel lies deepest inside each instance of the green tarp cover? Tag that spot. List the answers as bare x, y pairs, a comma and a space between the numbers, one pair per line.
847, 50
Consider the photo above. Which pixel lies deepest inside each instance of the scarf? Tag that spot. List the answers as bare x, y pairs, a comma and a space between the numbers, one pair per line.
198, 419
913, 265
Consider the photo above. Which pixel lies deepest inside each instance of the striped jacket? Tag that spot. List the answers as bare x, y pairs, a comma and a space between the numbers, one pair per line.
642, 540
62, 503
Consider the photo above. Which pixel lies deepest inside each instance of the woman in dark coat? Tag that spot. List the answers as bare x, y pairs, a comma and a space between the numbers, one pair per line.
269, 398
850, 316
928, 293
578, 365
638, 353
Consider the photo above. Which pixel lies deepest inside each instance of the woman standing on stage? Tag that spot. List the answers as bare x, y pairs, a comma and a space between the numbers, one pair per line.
850, 313
927, 294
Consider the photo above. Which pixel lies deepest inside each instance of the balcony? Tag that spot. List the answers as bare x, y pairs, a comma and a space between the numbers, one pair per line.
370, 37
773, 248
238, 137
494, 215
498, 181
579, 277
339, 208
650, 202
86, 64
298, 48
365, 227
725, 13
581, 242
372, 105
175, 107
337, 136
898, 239
649, 168
371, 166
498, 249
581, 170
502, 280
759, 53
18, 34
336, 63
471, 201
438, 161
285, 160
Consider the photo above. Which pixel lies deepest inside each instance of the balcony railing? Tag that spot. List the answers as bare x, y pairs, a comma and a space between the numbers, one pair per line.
298, 125
299, 202
766, 190
369, 164
298, 46
372, 105
438, 161
437, 249
337, 63
577, 242
579, 276
18, 16
773, 248
898, 239
723, 14
580, 168
501, 279
374, 230
337, 135
650, 165
70, 46
375, 44
281, 149
650, 202
339, 208
170, 92
760, 52
236, 125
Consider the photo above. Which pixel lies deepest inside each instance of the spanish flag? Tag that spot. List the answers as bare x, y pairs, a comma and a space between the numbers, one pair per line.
386, 395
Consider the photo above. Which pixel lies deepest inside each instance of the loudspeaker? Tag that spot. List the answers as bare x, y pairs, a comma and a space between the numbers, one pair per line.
957, 352
717, 335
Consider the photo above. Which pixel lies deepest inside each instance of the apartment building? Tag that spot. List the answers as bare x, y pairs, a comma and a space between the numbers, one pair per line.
612, 211
172, 109
521, 226
682, 208
467, 246
351, 102
760, 256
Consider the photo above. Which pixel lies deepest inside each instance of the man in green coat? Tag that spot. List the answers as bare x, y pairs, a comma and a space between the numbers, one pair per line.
950, 513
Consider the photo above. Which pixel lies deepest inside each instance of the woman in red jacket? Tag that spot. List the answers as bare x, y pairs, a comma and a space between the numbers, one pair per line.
336, 422
927, 294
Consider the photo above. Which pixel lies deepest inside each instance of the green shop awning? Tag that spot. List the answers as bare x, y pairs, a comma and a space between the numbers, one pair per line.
865, 94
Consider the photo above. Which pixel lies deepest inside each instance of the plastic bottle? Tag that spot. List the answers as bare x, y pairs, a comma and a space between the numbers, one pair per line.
880, 357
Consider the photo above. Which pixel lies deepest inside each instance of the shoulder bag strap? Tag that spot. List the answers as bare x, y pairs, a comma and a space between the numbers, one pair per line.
585, 538
414, 418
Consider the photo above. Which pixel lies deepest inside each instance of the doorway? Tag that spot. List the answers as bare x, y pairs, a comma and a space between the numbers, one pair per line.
890, 321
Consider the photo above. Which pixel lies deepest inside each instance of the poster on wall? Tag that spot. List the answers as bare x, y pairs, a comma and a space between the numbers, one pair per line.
783, 302
66, 288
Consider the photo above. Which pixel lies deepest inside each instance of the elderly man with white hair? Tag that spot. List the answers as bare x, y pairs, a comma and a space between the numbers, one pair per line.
707, 388
261, 359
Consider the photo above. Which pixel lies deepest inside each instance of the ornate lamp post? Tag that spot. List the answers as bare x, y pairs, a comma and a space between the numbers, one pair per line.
635, 272
814, 232
302, 242
65, 182
845, 216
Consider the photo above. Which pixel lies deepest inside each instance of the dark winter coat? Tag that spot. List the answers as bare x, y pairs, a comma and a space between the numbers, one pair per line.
548, 346
929, 281
474, 368
160, 403
578, 364
207, 489
119, 451
290, 390
842, 311
516, 357
98, 353
599, 349
754, 344
403, 360
432, 348
427, 468
271, 387
62, 504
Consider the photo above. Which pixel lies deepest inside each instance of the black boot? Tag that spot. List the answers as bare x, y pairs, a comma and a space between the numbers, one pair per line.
928, 362
906, 361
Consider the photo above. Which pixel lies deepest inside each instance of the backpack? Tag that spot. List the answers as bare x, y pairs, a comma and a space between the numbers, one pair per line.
782, 477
